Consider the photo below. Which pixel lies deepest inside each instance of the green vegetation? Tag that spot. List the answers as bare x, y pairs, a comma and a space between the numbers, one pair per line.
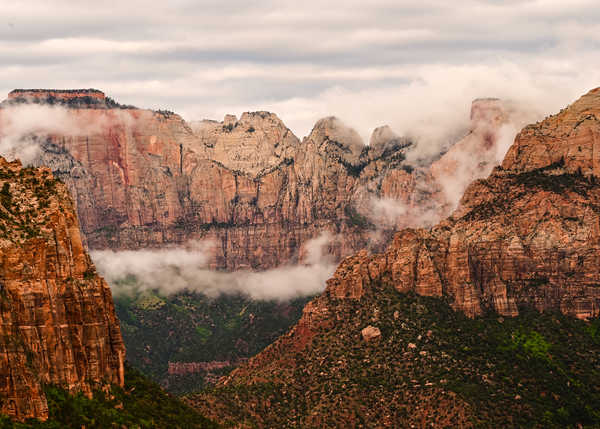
140, 404
353, 170
354, 218
535, 370
6, 196
190, 327
24, 196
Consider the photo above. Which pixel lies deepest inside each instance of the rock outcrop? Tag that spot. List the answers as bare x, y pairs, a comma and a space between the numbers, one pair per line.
58, 321
370, 333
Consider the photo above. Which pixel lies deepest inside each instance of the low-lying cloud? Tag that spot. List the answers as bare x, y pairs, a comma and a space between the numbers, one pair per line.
172, 270
23, 125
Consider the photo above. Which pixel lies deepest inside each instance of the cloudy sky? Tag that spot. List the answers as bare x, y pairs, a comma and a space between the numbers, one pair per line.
405, 63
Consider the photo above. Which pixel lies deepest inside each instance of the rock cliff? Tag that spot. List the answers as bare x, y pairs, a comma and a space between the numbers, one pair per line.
58, 321
525, 238
145, 179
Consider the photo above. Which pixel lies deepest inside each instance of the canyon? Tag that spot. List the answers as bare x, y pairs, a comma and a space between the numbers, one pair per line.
524, 238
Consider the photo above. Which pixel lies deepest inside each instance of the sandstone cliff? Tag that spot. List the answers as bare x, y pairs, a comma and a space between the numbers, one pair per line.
58, 321
526, 237
145, 179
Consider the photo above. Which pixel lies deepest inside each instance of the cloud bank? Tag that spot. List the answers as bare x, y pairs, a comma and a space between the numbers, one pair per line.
22, 125
370, 63
172, 270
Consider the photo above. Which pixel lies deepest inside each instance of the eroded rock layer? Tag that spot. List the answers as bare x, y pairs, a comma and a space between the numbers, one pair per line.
526, 237
58, 324
146, 179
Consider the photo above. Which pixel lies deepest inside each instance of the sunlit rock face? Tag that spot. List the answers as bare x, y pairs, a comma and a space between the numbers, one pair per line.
58, 321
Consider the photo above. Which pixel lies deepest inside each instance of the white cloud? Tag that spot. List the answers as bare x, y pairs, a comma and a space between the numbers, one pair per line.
396, 62
171, 270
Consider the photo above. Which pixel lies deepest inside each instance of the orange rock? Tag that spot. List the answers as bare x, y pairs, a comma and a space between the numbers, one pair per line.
58, 320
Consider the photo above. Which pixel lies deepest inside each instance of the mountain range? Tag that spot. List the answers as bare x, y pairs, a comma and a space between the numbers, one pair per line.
467, 293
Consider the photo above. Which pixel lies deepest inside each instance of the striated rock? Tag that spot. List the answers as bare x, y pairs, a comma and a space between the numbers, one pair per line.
526, 236
58, 321
257, 142
145, 179
370, 333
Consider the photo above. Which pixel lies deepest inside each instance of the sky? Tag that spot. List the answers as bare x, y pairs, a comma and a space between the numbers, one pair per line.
403, 63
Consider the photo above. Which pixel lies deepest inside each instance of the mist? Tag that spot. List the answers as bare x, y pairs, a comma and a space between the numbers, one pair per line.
176, 269
23, 125
442, 178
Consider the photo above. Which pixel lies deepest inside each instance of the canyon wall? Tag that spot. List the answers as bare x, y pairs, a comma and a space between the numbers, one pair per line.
148, 179
527, 235
58, 321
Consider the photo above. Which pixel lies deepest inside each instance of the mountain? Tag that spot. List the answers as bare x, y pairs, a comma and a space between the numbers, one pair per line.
382, 346
144, 178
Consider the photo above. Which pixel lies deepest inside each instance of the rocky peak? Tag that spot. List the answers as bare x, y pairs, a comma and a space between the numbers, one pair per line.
332, 137
255, 143
229, 120
382, 135
384, 140
491, 110
569, 139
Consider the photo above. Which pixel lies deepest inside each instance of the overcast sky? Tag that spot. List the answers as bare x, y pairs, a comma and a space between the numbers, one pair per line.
405, 63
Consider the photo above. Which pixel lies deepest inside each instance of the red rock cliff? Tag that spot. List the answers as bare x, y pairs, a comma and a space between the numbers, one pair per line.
58, 321
144, 179
529, 234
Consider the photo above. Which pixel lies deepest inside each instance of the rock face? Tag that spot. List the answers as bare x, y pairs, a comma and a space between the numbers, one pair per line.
528, 236
259, 141
145, 179
58, 321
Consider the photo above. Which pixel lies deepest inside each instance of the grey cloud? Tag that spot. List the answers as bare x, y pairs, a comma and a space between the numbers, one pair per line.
170, 54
